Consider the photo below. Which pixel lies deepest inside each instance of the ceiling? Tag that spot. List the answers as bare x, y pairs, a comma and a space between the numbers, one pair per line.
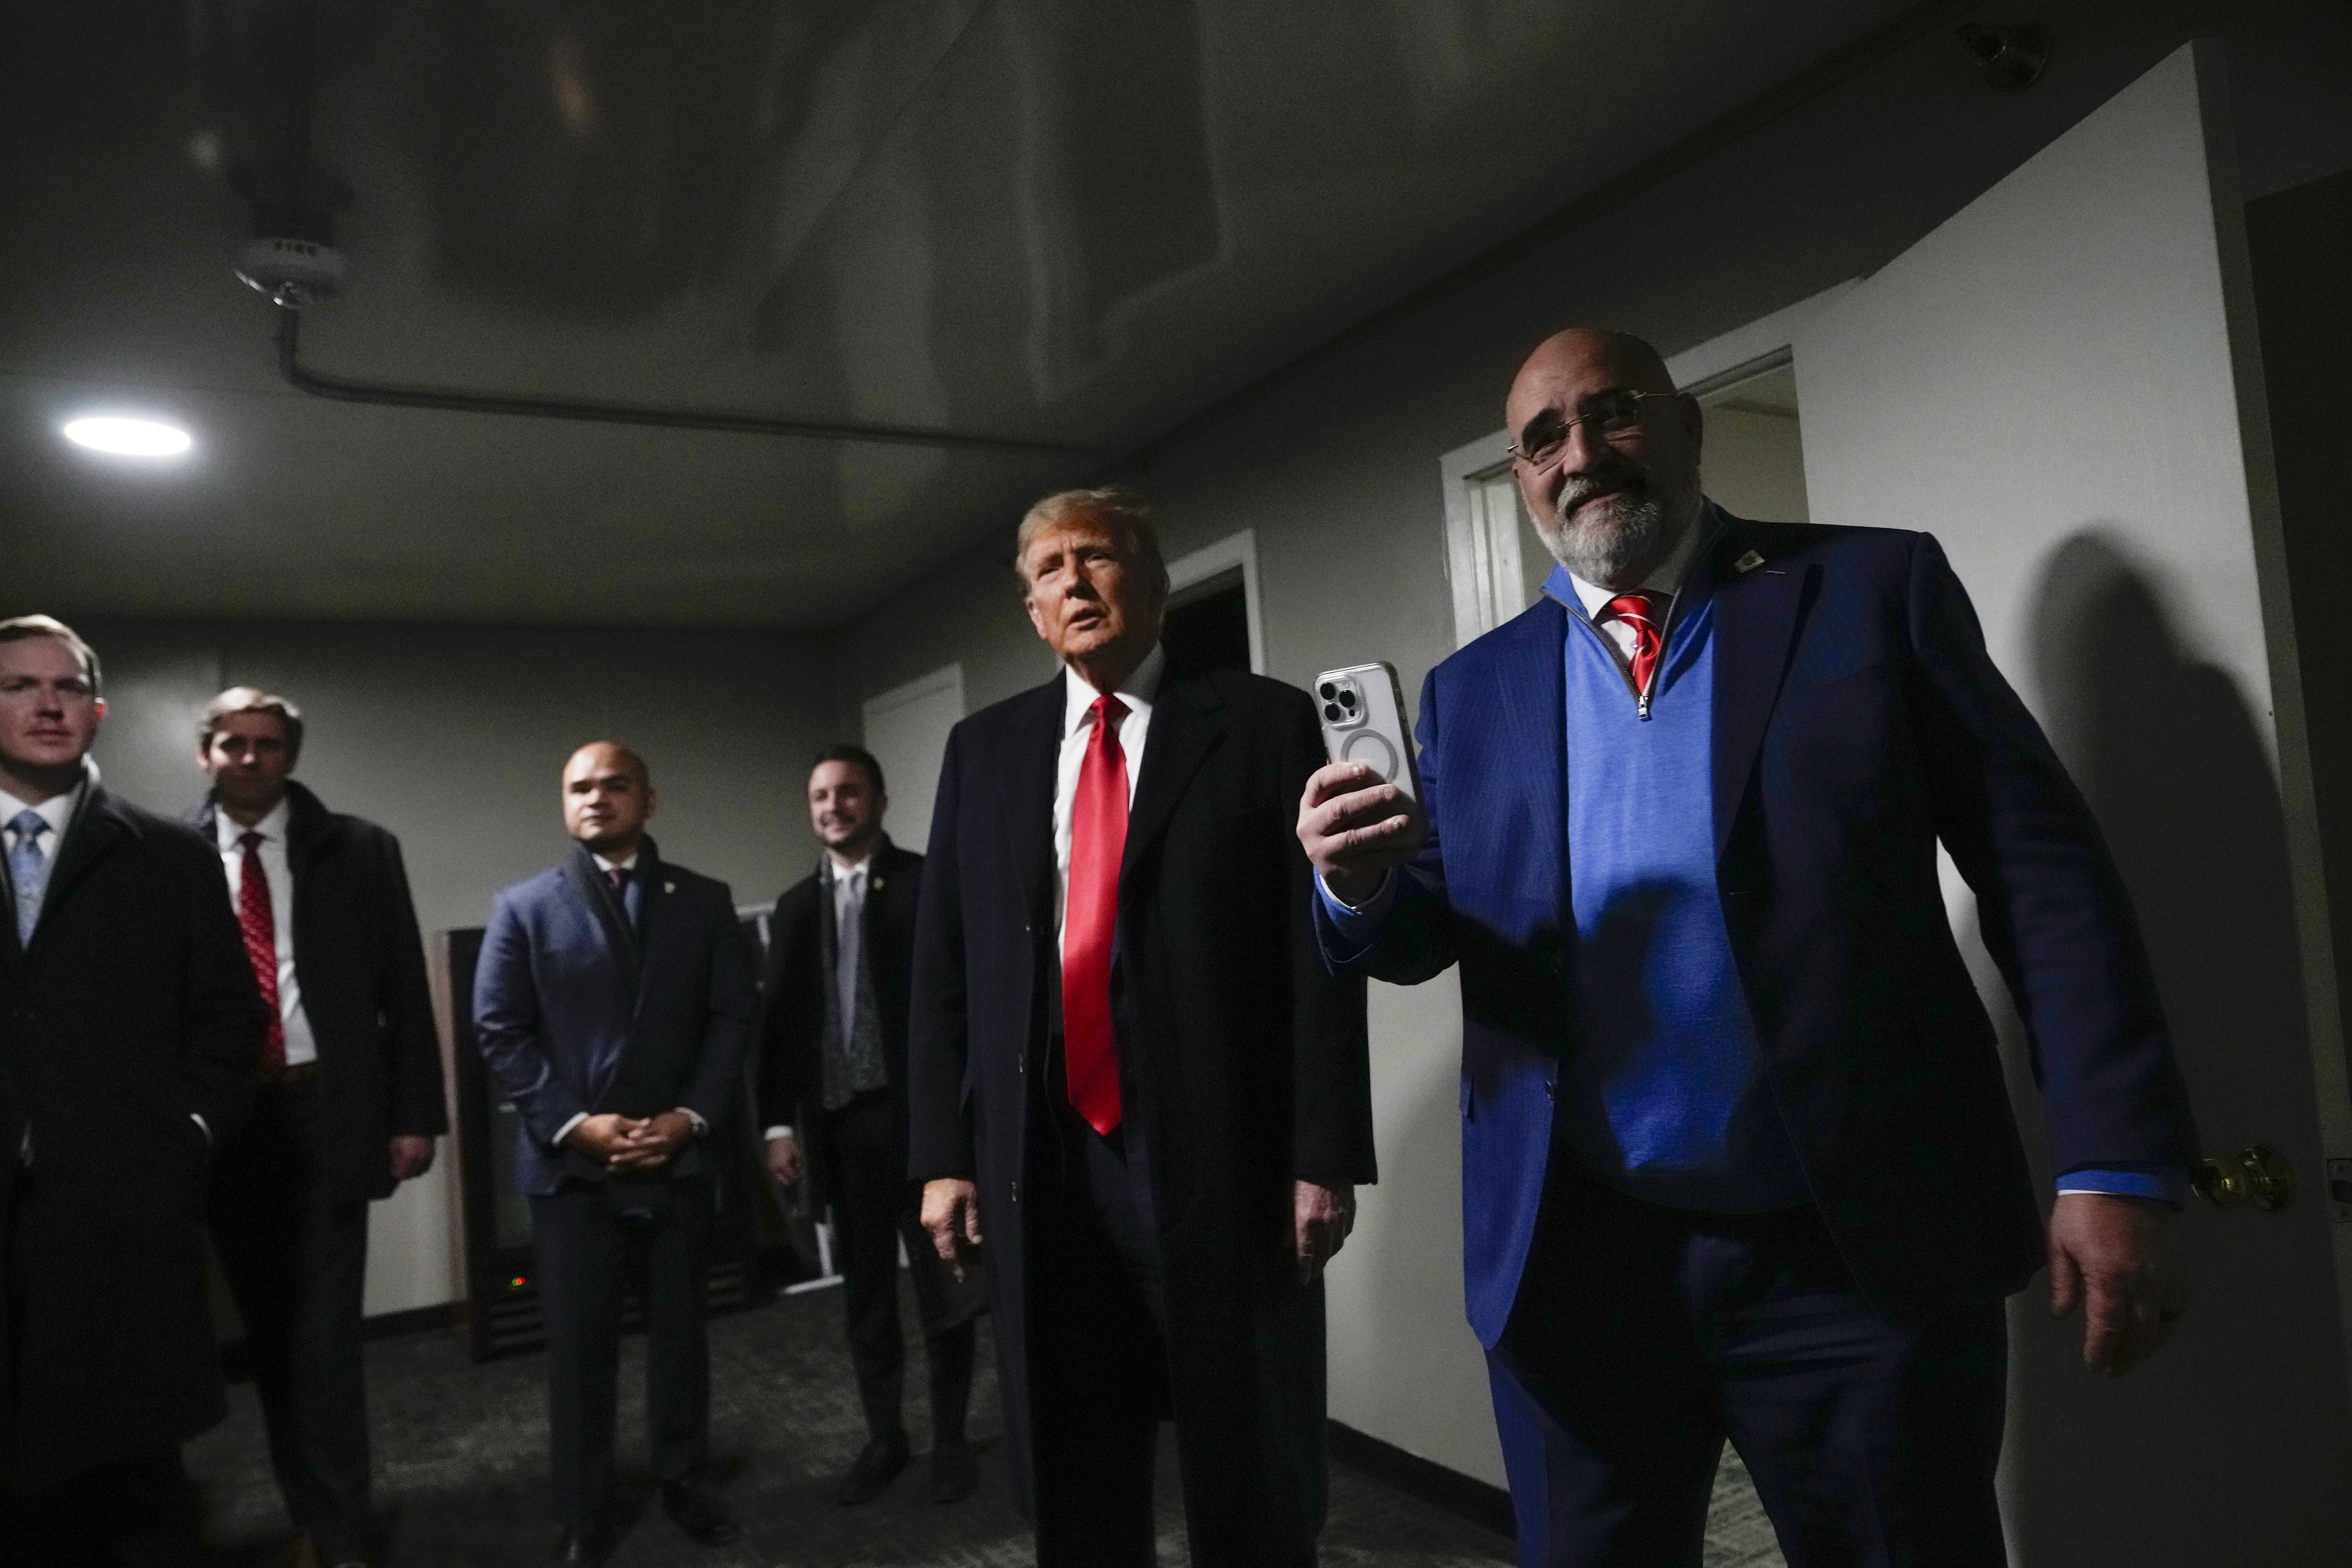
1045, 221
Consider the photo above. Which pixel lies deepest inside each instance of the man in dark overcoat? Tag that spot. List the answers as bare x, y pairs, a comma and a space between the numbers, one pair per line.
833, 1099
1127, 1058
350, 1102
131, 1031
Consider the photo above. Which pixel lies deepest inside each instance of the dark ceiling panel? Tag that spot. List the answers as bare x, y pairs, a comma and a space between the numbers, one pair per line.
1050, 220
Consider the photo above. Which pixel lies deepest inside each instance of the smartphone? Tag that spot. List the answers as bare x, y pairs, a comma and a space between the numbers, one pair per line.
1362, 708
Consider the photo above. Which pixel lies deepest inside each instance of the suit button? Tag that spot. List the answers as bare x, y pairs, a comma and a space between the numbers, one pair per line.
1552, 1090
1016, 1192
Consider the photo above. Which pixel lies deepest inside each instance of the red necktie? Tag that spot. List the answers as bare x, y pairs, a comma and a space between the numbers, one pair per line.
259, 923
1090, 916
1634, 609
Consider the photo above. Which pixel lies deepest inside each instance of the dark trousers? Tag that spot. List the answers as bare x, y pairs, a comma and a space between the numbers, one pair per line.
297, 1263
874, 1208
1643, 1337
131, 1513
1098, 1339
137, 1512
591, 1239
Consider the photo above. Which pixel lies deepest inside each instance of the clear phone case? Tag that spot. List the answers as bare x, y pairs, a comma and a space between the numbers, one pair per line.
1362, 709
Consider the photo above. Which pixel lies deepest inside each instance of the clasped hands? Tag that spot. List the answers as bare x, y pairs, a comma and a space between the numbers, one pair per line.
632, 1143
1321, 1218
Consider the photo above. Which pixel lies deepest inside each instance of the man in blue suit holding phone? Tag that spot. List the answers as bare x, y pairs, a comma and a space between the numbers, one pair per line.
1738, 1155
612, 1002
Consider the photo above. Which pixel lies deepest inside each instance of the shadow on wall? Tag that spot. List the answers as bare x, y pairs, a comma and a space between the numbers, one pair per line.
2170, 754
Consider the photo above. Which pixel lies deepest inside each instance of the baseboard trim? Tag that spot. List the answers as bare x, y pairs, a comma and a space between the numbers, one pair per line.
1464, 1497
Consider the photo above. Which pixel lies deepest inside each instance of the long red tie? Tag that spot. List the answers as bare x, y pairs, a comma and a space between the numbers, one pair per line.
259, 923
1097, 840
1634, 609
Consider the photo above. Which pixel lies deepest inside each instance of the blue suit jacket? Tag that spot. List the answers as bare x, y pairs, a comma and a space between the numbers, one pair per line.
566, 989
1858, 719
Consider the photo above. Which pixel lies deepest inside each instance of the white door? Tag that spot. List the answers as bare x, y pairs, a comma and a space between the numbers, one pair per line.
907, 730
2060, 383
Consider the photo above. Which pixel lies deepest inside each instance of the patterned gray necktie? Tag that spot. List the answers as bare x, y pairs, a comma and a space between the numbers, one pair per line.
29, 870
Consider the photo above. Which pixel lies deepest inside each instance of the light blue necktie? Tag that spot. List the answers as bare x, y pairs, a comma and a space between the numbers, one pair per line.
29, 868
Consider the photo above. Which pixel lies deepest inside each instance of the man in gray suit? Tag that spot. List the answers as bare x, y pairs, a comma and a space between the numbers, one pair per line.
612, 1001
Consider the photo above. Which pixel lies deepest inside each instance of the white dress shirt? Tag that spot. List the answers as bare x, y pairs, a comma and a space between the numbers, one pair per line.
848, 916
1139, 692
301, 1046
58, 811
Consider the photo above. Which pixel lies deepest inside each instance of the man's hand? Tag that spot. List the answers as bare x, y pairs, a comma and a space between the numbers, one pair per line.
1356, 831
1322, 1218
602, 1136
2119, 1259
951, 1213
656, 1139
784, 1162
412, 1156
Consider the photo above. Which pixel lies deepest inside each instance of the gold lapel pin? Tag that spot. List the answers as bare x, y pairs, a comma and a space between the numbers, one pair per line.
669, 887
1748, 563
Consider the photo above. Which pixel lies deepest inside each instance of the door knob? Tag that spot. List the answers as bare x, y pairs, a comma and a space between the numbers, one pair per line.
2255, 1174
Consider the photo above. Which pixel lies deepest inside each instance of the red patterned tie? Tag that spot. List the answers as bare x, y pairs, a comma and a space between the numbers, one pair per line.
260, 925
1097, 839
1634, 609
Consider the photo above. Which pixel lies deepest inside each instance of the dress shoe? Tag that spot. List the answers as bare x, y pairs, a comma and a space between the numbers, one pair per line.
954, 1471
699, 1513
583, 1548
878, 1464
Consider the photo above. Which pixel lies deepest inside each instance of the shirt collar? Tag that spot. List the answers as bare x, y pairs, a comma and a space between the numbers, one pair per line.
835, 871
272, 827
1666, 578
1138, 691
628, 865
57, 811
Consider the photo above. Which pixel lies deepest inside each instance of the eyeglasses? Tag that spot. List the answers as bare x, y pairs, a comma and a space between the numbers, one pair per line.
1610, 414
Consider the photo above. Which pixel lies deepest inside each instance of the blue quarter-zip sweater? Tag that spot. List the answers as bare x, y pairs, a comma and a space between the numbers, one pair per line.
1664, 1094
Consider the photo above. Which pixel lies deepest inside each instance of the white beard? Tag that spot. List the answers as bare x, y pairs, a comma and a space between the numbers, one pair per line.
1614, 542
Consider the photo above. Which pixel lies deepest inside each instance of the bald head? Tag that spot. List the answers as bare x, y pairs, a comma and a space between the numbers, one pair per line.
608, 796
1612, 482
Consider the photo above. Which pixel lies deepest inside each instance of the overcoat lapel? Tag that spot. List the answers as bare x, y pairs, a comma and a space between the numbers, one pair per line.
1033, 750
1185, 727
1756, 614
92, 833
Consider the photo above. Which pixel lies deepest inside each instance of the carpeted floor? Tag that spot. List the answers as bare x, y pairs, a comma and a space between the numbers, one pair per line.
461, 1470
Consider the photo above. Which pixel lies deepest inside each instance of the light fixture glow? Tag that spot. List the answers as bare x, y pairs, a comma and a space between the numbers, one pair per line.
127, 437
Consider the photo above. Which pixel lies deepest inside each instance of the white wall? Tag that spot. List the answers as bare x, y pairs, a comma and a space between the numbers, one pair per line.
453, 738
1336, 468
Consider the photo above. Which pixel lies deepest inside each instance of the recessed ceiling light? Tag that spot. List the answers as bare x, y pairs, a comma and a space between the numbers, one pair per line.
127, 437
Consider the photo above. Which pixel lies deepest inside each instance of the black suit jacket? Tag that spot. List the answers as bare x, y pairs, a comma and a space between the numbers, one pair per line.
1246, 1057
133, 1008
573, 1006
792, 1028
362, 967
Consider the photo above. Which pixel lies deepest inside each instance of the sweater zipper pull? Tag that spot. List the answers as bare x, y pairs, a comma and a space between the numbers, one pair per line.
1642, 707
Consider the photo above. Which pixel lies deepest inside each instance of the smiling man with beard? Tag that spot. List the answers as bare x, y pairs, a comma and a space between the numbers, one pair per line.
1738, 1154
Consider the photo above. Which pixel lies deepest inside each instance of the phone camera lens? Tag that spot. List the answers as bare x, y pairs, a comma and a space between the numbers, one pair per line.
1348, 701
1327, 691
1331, 712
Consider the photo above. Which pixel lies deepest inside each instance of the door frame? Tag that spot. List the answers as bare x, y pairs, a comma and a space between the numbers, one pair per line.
1233, 550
